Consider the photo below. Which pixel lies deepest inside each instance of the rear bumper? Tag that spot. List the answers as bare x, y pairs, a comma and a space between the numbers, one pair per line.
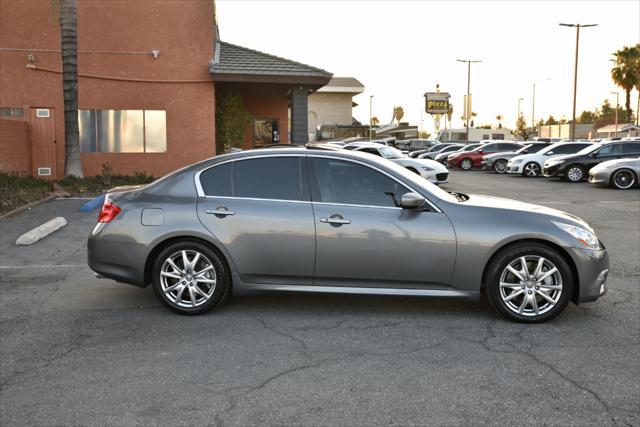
593, 271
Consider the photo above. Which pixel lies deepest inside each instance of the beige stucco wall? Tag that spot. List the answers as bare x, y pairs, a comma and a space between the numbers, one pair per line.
329, 109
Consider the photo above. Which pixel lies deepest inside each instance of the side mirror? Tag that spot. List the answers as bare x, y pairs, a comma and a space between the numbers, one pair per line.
412, 201
525, 152
594, 155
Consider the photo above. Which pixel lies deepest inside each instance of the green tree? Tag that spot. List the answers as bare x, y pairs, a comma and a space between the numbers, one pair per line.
626, 72
68, 10
551, 121
232, 120
375, 121
522, 130
587, 117
499, 118
398, 113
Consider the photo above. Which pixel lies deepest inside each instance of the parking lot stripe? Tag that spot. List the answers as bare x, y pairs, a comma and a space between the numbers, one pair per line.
9, 267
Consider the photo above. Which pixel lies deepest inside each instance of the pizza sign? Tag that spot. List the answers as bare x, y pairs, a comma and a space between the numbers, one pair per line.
436, 102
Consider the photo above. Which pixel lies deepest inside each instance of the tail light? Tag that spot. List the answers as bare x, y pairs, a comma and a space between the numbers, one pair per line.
109, 211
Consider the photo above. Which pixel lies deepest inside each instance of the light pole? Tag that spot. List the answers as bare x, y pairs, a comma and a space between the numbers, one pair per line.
468, 106
533, 106
617, 94
518, 117
575, 73
370, 116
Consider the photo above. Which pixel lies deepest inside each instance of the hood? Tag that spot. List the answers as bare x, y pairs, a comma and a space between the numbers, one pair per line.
566, 156
502, 155
408, 162
630, 162
515, 205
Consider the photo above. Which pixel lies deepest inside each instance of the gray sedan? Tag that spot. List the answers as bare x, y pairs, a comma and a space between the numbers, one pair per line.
311, 220
619, 173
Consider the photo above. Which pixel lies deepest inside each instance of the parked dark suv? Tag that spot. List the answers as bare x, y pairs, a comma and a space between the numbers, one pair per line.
575, 167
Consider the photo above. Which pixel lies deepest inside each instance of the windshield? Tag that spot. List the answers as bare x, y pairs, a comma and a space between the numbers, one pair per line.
391, 153
470, 147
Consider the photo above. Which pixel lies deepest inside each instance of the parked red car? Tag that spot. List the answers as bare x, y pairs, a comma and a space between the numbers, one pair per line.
467, 160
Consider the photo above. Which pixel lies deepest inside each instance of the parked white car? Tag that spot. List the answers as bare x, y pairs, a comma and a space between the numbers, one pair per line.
531, 164
430, 170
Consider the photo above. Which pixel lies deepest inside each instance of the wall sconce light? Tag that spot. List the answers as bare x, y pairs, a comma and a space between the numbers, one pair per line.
155, 53
31, 58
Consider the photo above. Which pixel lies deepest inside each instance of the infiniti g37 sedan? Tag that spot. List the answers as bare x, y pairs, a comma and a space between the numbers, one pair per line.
302, 219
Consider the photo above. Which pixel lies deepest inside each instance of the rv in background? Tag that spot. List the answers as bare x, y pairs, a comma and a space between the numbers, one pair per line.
475, 135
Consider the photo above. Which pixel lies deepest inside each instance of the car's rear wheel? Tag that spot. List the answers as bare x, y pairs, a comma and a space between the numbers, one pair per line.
623, 179
531, 170
529, 282
466, 164
500, 166
189, 277
574, 173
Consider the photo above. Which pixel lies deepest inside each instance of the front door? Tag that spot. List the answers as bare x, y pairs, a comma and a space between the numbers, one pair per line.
43, 142
260, 210
363, 239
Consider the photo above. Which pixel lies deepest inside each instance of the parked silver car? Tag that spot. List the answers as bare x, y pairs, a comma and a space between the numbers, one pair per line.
296, 219
619, 173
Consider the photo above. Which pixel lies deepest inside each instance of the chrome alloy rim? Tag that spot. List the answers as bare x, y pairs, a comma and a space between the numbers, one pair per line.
466, 164
575, 174
623, 179
530, 285
501, 166
532, 169
188, 278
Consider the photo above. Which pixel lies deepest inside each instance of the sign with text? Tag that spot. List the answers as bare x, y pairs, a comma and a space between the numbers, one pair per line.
436, 102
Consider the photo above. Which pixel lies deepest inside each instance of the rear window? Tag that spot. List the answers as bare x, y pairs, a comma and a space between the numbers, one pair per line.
216, 181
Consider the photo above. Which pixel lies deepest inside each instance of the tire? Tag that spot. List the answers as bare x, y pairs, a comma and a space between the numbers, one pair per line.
531, 170
466, 164
623, 179
574, 173
500, 166
213, 283
516, 302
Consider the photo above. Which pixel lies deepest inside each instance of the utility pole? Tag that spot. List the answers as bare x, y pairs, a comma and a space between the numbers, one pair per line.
617, 94
370, 117
518, 117
575, 73
468, 106
533, 108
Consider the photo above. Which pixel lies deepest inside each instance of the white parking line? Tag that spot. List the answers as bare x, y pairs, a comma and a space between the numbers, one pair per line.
9, 267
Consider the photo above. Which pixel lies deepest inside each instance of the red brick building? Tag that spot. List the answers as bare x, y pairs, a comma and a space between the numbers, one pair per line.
148, 76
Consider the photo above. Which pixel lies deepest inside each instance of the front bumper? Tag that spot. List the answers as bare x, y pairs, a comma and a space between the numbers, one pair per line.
435, 177
599, 178
592, 267
515, 168
551, 171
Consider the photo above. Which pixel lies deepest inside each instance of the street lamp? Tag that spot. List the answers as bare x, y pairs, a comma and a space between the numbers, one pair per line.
533, 105
370, 110
575, 73
617, 94
468, 106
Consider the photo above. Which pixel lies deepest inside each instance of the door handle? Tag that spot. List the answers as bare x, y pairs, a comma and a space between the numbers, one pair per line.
336, 220
222, 211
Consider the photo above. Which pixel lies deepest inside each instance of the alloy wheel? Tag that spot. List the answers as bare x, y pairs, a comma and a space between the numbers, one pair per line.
624, 179
530, 285
532, 170
575, 174
466, 164
188, 278
500, 166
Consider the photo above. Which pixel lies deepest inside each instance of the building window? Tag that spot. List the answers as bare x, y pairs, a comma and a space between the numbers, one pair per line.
11, 112
265, 132
123, 131
498, 136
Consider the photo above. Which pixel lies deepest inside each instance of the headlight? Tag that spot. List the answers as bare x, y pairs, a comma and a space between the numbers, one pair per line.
515, 162
553, 162
584, 236
426, 168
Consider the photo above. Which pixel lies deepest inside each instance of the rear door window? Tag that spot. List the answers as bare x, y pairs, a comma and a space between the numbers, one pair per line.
216, 181
631, 148
279, 178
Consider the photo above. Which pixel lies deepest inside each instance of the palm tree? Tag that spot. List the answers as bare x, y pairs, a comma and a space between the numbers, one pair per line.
499, 119
398, 113
626, 72
69, 48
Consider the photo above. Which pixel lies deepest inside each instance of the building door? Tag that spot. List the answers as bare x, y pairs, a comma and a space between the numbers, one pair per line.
43, 142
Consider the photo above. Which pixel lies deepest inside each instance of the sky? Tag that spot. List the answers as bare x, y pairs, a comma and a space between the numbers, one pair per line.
401, 49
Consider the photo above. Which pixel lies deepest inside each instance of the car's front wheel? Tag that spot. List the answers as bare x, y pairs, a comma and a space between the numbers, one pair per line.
623, 179
531, 169
500, 166
189, 277
466, 164
574, 173
529, 282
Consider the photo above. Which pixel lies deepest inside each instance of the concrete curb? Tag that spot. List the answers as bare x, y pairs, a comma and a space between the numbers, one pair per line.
28, 206
41, 231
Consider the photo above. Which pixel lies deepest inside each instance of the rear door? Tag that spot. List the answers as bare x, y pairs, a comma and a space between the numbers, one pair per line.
363, 239
260, 210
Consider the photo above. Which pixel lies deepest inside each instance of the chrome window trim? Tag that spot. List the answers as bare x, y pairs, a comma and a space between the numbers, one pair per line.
257, 199
200, 190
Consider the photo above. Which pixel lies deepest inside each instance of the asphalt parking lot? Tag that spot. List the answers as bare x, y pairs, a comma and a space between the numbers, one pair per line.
83, 351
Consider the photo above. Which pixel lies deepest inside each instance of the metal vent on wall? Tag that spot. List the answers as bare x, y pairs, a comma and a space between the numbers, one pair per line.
44, 171
42, 112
